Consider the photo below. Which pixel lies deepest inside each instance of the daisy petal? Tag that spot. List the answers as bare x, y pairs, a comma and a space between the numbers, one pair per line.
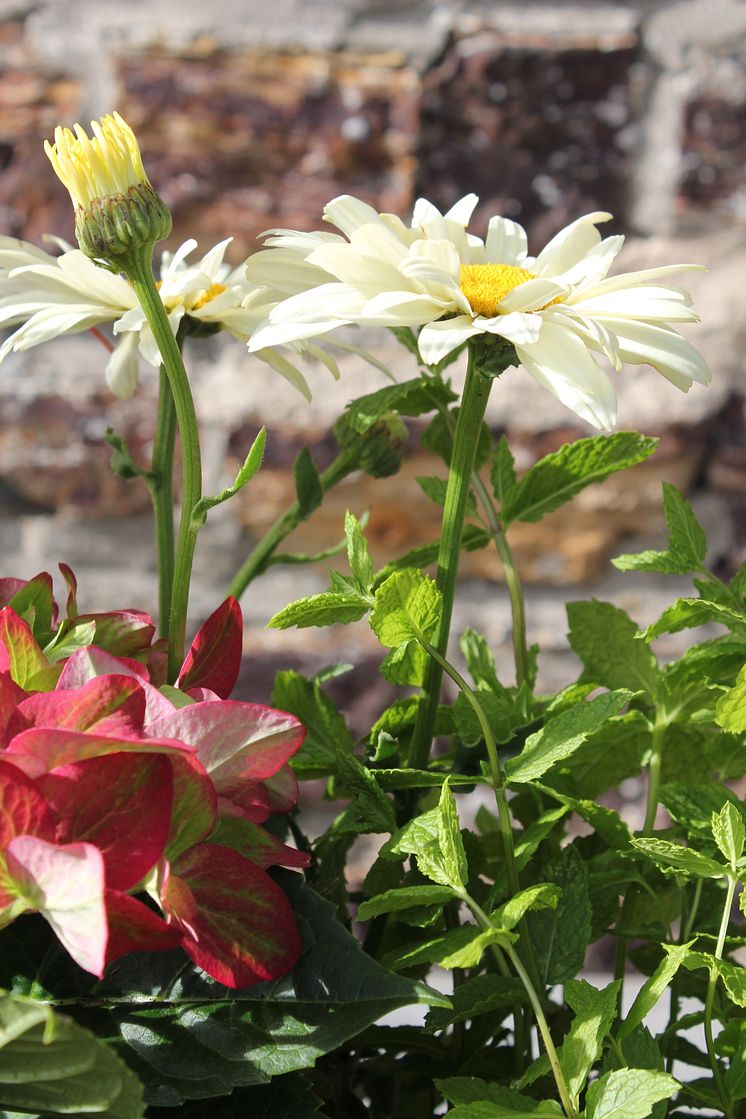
122, 369
439, 339
349, 213
506, 241
676, 359
570, 245
561, 363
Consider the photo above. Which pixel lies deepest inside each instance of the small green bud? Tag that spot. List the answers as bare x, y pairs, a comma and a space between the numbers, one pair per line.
380, 449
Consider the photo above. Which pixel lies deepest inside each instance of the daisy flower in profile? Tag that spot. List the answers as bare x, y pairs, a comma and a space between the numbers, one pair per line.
558, 312
45, 296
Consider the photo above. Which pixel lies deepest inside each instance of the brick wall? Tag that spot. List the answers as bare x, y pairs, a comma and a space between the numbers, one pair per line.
253, 113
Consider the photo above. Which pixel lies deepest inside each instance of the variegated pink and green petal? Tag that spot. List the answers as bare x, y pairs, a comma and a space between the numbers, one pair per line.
214, 659
40, 750
256, 844
135, 928
282, 790
67, 573
254, 803
9, 588
23, 807
124, 633
195, 805
237, 923
21, 656
10, 696
66, 885
121, 803
108, 705
235, 741
87, 663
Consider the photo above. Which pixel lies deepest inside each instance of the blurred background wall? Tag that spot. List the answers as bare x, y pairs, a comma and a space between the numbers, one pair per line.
253, 114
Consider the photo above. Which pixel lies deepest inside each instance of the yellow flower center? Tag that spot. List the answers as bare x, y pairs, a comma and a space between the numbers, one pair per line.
212, 291
486, 285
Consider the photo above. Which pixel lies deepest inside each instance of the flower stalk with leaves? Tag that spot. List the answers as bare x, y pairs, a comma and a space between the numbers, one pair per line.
142, 805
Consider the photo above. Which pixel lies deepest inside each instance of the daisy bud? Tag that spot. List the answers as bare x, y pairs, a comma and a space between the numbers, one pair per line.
117, 212
380, 449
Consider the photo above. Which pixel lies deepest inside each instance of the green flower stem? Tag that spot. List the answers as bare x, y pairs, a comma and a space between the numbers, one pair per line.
473, 405
140, 274
512, 581
498, 781
257, 560
161, 493
541, 1021
732, 882
654, 777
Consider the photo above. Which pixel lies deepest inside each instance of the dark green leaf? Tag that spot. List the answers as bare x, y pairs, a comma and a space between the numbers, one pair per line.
673, 858
308, 488
480, 995
286, 1097
474, 538
464, 1091
688, 613
435, 489
409, 398
502, 472
653, 988
559, 476
372, 811
560, 936
326, 730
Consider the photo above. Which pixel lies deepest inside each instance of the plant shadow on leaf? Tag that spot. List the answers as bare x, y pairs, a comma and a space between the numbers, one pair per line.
188, 1037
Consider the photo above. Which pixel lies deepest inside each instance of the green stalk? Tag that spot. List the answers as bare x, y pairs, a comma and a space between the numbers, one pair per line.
140, 274
512, 582
161, 493
498, 782
541, 1021
654, 777
473, 405
256, 561
710, 1000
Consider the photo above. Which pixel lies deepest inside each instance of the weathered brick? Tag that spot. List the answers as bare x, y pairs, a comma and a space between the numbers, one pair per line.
536, 130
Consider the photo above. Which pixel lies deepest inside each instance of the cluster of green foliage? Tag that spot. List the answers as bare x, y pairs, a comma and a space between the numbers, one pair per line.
504, 908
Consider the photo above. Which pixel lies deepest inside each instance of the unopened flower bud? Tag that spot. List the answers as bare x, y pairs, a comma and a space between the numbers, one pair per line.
380, 449
117, 212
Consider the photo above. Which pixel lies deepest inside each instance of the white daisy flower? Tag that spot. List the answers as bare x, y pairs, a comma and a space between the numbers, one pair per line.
45, 296
558, 309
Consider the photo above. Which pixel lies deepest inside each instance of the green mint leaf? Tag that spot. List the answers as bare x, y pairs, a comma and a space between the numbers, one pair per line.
687, 543
480, 660
545, 895
502, 472
608, 643
559, 476
611, 755
605, 821
628, 1093
358, 555
421, 837
409, 398
653, 988
324, 609
562, 736
371, 810
730, 709
406, 608
326, 730
595, 1012
435, 489
688, 613
493, 1101
449, 838
393, 901
735, 1077
673, 858
561, 936
502, 711
729, 832
479, 995
308, 488
470, 955
405, 665
693, 806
